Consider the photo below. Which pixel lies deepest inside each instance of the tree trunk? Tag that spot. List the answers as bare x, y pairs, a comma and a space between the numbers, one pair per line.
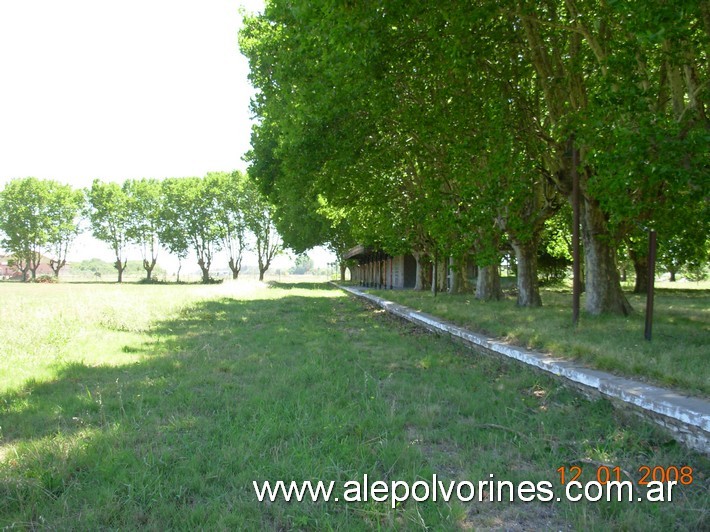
672, 272
205, 270
56, 265
640, 262
526, 259
456, 273
468, 271
34, 262
120, 267
236, 268
474, 272
148, 267
419, 283
342, 271
438, 276
261, 274
602, 283
488, 284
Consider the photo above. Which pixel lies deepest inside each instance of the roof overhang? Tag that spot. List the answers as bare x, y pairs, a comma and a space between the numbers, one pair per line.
357, 252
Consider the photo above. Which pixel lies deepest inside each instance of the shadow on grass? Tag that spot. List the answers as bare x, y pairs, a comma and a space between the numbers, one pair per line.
296, 388
204, 342
141, 282
175, 430
323, 285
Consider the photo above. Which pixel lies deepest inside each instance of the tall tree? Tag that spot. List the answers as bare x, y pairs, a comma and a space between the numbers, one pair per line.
230, 215
430, 123
340, 240
25, 222
145, 207
625, 84
171, 233
189, 219
689, 248
109, 216
65, 205
259, 219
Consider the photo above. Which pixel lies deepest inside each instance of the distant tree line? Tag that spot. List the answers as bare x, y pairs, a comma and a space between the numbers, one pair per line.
99, 269
454, 130
221, 211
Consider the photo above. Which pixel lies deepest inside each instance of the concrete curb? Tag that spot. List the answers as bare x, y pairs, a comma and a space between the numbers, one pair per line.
687, 418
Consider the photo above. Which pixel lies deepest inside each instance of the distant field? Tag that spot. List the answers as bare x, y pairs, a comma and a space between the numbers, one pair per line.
678, 354
156, 407
186, 276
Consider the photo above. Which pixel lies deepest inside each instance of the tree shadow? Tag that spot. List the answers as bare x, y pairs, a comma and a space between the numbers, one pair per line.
231, 391
214, 336
322, 285
180, 432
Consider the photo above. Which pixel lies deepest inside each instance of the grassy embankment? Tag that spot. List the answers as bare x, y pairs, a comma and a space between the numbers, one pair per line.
155, 407
677, 356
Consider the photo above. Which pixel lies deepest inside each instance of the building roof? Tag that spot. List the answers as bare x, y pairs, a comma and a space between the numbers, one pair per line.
356, 252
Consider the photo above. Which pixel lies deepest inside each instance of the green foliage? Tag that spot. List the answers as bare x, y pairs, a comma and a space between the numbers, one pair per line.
552, 270
554, 255
190, 219
697, 272
181, 214
688, 249
44, 279
100, 269
93, 266
448, 129
259, 218
39, 216
231, 206
64, 209
24, 221
303, 265
110, 219
144, 206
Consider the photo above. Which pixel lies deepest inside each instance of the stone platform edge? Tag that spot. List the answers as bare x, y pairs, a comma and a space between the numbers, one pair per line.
686, 418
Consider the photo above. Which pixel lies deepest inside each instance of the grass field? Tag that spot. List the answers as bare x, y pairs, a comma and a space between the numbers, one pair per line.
156, 407
678, 354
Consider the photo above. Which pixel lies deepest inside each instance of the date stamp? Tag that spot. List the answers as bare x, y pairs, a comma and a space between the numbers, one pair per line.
682, 475
609, 482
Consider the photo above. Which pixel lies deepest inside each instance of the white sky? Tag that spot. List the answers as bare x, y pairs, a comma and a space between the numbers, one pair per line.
121, 89
118, 89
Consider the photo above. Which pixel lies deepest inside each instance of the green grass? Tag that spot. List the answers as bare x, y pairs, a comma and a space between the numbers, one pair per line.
155, 407
677, 356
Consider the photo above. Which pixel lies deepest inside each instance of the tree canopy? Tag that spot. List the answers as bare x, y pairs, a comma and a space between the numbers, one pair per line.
109, 216
259, 218
25, 221
144, 205
39, 216
220, 211
451, 129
